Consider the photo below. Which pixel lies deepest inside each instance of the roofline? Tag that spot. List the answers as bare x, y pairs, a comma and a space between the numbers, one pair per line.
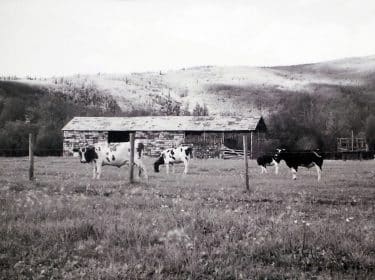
166, 130
199, 118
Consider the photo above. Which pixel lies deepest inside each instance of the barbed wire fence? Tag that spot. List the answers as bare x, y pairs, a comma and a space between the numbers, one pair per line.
334, 155
25, 152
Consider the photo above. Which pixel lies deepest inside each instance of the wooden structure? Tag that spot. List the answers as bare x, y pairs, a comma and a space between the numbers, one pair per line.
352, 148
131, 164
351, 144
31, 156
208, 135
31, 148
247, 184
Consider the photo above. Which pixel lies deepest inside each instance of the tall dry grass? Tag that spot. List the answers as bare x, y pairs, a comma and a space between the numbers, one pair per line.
200, 226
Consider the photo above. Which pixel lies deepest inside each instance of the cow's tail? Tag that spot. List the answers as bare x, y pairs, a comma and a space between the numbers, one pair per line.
316, 152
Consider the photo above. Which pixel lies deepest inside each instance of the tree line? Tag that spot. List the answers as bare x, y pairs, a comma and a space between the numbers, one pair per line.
310, 121
300, 120
48, 111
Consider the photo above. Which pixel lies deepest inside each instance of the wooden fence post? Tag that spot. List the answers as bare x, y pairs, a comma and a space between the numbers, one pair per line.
352, 140
246, 162
251, 145
31, 156
131, 169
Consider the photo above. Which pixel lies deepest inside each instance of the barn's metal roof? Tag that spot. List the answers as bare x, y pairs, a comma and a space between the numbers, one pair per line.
165, 123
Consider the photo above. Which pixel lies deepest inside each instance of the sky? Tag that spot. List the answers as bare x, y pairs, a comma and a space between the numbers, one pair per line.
64, 37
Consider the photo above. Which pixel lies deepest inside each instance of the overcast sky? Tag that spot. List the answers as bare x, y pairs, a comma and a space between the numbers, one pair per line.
55, 37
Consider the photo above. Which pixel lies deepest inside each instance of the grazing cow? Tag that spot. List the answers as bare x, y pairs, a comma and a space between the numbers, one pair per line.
303, 158
172, 156
115, 154
266, 160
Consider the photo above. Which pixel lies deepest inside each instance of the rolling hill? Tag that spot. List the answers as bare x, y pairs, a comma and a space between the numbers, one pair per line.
225, 90
304, 106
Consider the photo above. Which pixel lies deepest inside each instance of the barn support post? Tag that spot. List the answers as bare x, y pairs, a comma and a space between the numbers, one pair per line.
131, 169
31, 156
352, 140
251, 145
246, 163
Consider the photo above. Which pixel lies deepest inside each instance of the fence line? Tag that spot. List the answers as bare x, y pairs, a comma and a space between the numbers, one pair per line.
224, 153
25, 152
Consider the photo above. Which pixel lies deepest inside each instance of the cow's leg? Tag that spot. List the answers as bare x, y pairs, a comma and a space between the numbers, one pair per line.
167, 167
186, 163
265, 169
276, 168
98, 170
141, 168
173, 168
318, 170
261, 169
94, 170
294, 172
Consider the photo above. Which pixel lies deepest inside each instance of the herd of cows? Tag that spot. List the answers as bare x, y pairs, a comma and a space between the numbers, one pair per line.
118, 154
293, 160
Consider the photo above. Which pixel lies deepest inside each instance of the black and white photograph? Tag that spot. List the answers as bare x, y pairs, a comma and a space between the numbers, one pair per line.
187, 139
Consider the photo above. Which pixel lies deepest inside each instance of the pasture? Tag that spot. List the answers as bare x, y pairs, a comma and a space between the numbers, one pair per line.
65, 225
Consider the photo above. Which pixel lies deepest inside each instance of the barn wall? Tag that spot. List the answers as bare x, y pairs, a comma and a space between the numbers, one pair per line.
211, 144
155, 142
206, 145
76, 139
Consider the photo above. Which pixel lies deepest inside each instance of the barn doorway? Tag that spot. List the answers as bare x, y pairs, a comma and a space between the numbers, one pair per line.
118, 136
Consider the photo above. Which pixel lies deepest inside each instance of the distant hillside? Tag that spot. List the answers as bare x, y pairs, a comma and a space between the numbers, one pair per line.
225, 90
304, 105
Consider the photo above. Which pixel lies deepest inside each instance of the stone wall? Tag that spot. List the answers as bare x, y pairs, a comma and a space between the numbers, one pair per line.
75, 139
154, 142
206, 145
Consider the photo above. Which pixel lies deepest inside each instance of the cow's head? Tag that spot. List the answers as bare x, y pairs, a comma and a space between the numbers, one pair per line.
87, 154
278, 155
159, 162
278, 150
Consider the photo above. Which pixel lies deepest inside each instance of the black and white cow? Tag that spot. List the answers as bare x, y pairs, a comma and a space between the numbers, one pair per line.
115, 154
267, 160
302, 158
181, 154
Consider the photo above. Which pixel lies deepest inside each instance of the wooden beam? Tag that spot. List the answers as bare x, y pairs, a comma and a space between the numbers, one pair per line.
131, 169
246, 163
31, 156
251, 145
352, 140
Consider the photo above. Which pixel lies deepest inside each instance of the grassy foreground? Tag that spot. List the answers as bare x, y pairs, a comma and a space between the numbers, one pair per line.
64, 225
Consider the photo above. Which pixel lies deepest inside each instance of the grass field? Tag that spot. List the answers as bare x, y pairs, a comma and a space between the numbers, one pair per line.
203, 225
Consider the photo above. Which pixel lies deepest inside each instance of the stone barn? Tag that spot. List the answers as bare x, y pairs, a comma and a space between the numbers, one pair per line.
211, 136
